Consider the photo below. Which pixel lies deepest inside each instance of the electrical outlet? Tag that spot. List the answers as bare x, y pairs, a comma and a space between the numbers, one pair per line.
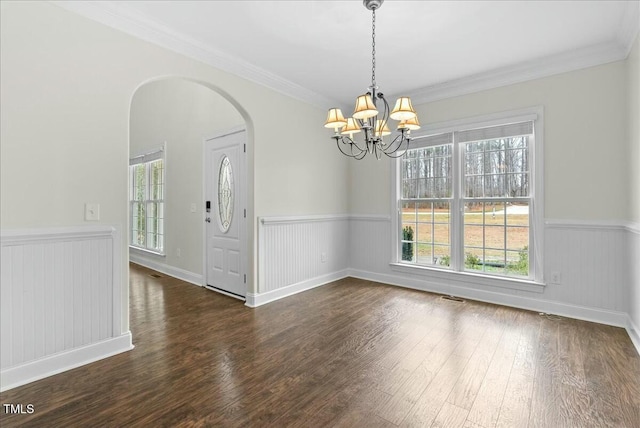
556, 277
91, 212
323, 257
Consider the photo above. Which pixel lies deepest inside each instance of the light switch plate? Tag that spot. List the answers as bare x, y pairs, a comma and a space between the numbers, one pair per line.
193, 207
91, 212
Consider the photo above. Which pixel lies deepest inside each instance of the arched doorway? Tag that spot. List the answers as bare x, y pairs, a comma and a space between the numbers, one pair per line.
170, 118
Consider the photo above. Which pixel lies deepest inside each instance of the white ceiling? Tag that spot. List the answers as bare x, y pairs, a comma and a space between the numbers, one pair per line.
320, 51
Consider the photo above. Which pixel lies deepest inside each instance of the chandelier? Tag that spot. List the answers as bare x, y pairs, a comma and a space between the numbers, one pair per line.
368, 119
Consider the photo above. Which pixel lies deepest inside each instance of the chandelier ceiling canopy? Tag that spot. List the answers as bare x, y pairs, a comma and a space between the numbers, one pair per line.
368, 119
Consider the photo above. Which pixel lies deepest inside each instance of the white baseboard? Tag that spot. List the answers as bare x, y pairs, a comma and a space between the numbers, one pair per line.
173, 271
63, 361
634, 334
258, 299
618, 319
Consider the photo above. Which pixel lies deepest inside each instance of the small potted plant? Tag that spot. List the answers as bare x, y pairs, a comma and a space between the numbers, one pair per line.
407, 244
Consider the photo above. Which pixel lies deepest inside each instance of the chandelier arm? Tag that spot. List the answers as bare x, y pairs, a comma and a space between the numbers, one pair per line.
397, 143
360, 149
385, 115
351, 144
361, 155
396, 154
341, 150
386, 104
403, 140
351, 141
387, 110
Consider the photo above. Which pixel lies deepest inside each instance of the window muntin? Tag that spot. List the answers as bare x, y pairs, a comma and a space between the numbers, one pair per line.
496, 205
138, 211
490, 203
496, 238
497, 168
147, 187
425, 205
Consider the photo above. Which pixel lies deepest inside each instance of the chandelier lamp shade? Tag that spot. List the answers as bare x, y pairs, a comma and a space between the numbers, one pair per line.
371, 116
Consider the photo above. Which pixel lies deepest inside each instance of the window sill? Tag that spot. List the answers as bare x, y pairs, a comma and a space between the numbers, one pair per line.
144, 250
470, 278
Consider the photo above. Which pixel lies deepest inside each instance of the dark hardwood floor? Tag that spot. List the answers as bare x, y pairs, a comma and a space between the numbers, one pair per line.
351, 353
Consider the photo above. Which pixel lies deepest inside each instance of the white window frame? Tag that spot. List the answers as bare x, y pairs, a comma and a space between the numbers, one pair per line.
147, 158
535, 282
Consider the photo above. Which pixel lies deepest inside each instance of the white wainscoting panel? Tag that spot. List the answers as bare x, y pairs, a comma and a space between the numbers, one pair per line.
592, 260
59, 292
633, 327
299, 253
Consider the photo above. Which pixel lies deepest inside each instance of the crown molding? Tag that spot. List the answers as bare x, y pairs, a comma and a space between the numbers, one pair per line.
124, 19
591, 56
628, 30
120, 17
530, 70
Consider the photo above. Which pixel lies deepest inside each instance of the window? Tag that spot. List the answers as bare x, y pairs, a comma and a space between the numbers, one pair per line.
426, 202
146, 200
465, 199
225, 194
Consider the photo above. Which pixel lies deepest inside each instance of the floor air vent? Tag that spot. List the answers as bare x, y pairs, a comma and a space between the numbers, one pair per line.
453, 299
155, 275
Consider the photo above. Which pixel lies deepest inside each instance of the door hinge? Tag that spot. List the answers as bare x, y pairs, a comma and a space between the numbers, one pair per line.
245, 148
245, 213
245, 278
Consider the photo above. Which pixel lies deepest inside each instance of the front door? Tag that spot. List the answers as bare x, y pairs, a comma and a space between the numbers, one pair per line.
225, 217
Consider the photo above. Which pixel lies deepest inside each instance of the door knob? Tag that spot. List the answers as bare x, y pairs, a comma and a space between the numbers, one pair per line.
208, 219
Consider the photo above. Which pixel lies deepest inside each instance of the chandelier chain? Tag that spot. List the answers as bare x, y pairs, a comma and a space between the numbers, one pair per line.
371, 115
373, 48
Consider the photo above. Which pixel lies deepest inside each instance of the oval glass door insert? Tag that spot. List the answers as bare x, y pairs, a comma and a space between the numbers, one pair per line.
225, 194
